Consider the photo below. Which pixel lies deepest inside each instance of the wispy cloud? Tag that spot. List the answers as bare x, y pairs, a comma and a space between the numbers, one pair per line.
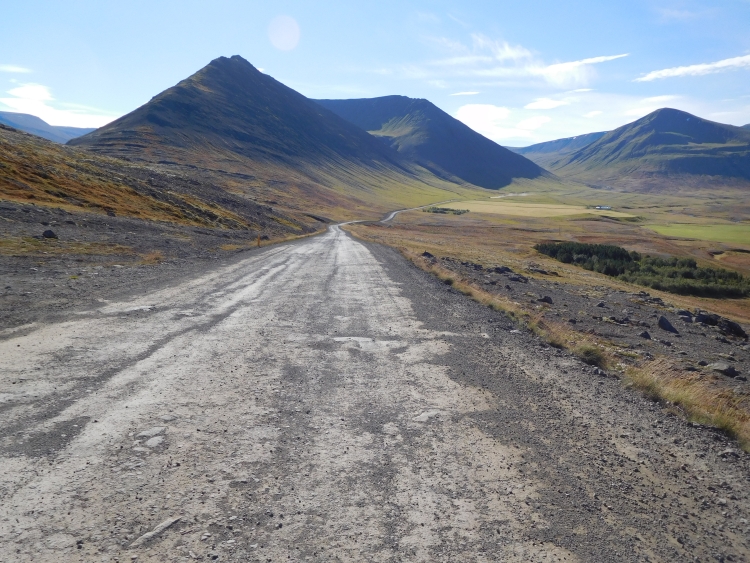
14, 68
546, 103
465, 94
698, 70
485, 57
35, 99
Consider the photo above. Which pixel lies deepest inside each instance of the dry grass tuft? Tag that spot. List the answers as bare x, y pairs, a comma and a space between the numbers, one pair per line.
695, 397
155, 257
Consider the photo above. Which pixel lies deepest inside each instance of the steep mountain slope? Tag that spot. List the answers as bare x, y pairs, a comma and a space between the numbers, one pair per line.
35, 126
425, 134
746, 126
664, 148
548, 154
255, 136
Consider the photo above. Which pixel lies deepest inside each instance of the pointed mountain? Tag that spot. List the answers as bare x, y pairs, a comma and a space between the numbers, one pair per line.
666, 147
548, 154
40, 128
425, 134
253, 134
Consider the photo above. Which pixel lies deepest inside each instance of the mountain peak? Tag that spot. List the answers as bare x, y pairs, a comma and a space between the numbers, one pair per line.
666, 142
423, 132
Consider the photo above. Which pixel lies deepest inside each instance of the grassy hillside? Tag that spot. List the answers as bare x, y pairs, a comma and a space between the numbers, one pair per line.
240, 129
46, 174
423, 133
666, 148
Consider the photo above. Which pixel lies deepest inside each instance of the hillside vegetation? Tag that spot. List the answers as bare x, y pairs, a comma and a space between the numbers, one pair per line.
675, 275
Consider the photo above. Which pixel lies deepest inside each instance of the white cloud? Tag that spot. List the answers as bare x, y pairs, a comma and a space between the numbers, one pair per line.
697, 70
465, 94
488, 58
546, 103
533, 122
493, 122
35, 99
573, 72
593, 113
489, 120
14, 68
501, 50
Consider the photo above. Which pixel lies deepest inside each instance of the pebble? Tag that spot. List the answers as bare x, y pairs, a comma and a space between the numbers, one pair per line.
155, 441
151, 432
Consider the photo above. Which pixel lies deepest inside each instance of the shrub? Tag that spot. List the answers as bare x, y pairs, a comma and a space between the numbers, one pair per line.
591, 355
675, 275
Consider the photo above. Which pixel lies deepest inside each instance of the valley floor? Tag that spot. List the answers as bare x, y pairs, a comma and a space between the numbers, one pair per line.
326, 400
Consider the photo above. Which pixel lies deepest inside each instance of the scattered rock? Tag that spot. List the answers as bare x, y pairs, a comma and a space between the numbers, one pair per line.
707, 319
425, 416
155, 532
167, 417
572, 321
426, 254
601, 304
645, 335
731, 328
502, 270
729, 452
545, 299
664, 324
724, 369
49, 233
703, 363
154, 442
151, 432
518, 278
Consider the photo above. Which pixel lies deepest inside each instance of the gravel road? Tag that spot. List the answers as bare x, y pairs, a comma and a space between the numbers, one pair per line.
326, 401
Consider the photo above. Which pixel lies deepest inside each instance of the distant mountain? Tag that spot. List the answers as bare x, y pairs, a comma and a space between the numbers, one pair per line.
667, 147
746, 126
548, 154
425, 134
257, 136
35, 126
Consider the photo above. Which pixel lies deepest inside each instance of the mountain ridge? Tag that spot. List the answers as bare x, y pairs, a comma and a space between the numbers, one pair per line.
37, 126
427, 135
665, 145
548, 153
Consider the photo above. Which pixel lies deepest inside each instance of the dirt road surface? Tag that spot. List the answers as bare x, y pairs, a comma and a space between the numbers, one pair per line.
326, 401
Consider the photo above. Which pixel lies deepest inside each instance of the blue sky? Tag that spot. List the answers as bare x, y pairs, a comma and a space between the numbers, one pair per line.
518, 72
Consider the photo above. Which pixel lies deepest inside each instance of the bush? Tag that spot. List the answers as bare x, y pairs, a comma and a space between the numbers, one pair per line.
591, 355
675, 275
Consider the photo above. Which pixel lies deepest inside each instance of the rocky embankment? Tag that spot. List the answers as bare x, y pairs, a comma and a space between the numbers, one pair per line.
639, 322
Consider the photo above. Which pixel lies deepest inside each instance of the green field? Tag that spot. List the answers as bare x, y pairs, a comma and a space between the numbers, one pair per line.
731, 234
504, 207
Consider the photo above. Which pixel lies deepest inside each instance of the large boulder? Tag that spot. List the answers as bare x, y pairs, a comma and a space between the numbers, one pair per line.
664, 324
731, 328
724, 369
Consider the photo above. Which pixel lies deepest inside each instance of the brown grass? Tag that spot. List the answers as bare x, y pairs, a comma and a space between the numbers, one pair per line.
154, 257
695, 397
